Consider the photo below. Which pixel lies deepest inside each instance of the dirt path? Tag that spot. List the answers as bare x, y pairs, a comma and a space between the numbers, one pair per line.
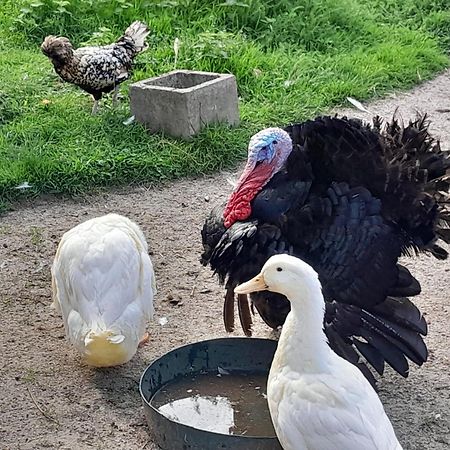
101, 409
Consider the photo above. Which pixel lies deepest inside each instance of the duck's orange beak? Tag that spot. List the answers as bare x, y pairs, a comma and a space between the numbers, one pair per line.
255, 284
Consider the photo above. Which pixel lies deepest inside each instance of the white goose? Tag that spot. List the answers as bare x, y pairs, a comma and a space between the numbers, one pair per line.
103, 284
317, 400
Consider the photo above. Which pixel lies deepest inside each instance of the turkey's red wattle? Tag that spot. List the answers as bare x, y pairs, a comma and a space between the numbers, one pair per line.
251, 182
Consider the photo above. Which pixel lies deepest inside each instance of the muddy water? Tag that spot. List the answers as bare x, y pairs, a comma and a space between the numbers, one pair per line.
222, 403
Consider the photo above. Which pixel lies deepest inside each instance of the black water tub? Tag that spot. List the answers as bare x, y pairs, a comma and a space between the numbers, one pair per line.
243, 355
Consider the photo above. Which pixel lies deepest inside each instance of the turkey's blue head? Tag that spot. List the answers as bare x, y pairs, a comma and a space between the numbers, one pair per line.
268, 150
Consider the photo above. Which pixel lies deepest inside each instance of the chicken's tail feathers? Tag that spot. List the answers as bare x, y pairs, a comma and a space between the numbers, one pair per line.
138, 32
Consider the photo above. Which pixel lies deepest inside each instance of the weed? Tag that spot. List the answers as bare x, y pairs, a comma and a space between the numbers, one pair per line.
29, 376
36, 236
5, 230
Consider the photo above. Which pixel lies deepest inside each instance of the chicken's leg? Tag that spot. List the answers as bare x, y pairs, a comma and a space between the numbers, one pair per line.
115, 95
95, 107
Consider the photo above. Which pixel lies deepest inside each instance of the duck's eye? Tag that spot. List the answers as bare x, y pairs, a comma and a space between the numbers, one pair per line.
275, 142
279, 269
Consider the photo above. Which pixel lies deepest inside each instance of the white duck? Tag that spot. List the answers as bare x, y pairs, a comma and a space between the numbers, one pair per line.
317, 400
103, 284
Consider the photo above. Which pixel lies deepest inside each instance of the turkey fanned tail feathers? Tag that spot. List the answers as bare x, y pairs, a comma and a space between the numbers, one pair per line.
351, 199
424, 163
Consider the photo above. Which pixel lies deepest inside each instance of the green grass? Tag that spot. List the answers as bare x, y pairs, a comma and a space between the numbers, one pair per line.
292, 59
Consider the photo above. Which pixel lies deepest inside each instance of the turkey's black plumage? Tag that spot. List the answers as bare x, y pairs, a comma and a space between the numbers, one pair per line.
350, 200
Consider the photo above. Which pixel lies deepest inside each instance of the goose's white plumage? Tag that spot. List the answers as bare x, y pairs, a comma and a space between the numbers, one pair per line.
104, 284
317, 400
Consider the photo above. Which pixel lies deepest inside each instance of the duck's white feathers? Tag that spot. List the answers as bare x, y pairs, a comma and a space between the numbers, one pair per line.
317, 400
326, 412
103, 279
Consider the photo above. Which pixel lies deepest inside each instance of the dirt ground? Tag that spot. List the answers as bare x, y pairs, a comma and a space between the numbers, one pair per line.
50, 401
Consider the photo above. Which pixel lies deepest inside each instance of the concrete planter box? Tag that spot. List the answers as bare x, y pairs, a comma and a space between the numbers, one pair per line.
181, 102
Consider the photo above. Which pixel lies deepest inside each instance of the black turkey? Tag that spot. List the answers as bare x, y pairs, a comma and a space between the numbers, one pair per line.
349, 199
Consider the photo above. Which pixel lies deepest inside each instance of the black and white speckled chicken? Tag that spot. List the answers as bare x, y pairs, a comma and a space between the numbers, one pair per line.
97, 70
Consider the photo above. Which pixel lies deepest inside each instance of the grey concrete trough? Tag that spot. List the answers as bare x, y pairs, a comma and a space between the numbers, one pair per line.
181, 102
